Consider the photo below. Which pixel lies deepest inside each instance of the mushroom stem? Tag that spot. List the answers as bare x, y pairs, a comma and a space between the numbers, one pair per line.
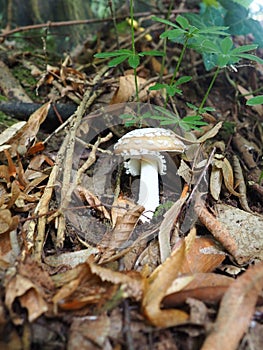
149, 188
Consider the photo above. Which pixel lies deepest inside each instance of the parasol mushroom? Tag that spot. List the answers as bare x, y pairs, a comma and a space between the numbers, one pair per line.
143, 148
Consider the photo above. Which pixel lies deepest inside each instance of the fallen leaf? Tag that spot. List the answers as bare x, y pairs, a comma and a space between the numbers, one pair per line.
236, 310
29, 296
164, 235
93, 201
8, 134
211, 133
5, 220
156, 288
21, 140
82, 332
208, 287
238, 231
216, 178
126, 90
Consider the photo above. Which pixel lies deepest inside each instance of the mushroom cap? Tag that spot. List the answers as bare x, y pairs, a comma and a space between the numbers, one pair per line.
146, 144
149, 139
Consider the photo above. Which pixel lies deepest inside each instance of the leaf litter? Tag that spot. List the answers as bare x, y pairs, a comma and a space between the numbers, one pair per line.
50, 272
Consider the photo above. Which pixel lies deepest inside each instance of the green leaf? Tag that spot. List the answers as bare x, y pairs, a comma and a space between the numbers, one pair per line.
209, 47
223, 60
172, 34
248, 56
215, 31
183, 80
152, 53
258, 100
117, 60
164, 21
113, 54
182, 21
157, 86
134, 61
244, 48
226, 45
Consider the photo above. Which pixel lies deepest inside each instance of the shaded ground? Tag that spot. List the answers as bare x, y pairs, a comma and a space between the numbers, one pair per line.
92, 280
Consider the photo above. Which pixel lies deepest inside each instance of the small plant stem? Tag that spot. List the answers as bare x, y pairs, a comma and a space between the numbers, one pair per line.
177, 68
171, 6
209, 88
134, 51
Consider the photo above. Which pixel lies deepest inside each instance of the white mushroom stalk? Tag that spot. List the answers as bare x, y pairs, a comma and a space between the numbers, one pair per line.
142, 147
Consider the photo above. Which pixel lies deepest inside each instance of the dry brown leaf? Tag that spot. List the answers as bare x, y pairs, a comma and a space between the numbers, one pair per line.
9, 133
241, 184
211, 133
93, 201
120, 206
35, 165
124, 228
28, 294
5, 220
236, 310
202, 256
216, 179
4, 173
11, 165
132, 283
82, 332
70, 282
22, 139
126, 90
238, 231
228, 177
170, 218
209, 287
156, 288
71, 258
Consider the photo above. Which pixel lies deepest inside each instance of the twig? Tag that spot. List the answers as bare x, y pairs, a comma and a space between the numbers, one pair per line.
50, 24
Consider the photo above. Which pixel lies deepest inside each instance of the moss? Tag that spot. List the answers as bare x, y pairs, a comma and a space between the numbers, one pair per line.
26, 80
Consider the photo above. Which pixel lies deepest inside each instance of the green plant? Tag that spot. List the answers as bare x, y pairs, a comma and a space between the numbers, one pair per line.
257, 100
212, 41
186, 34
131, 56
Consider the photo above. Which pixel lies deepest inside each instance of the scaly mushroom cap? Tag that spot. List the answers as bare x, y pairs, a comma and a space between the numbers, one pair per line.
147, 143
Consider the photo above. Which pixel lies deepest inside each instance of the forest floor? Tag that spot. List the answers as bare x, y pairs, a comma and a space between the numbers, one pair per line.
78, 268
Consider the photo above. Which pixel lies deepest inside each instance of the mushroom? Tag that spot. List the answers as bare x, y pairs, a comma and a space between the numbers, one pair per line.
142, 147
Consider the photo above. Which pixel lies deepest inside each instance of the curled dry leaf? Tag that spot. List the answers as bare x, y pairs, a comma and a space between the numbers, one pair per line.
156, 288
120, 206
26, 133
126, 90
82, 332
170, 218
216, 178
29, 296
93, 201
5, 220
211, 133
8, 134
221, 169
117, 239
208, 287
241, 184
236, 310
100, 284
